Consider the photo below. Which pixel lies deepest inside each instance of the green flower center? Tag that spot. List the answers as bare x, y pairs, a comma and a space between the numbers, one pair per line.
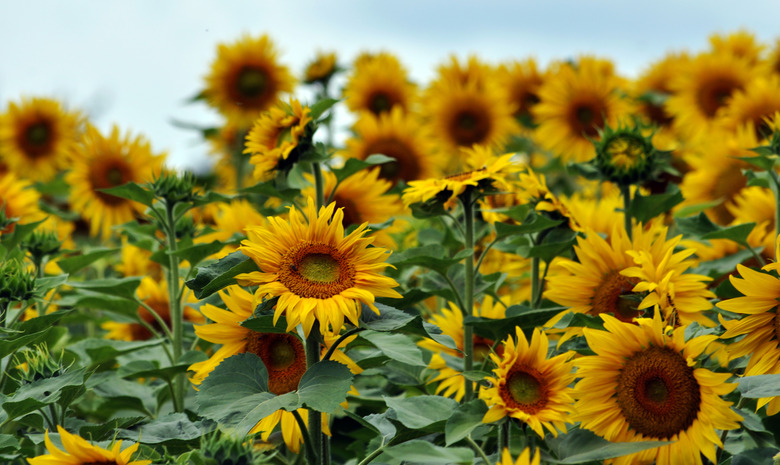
252, 82
524, 388
380, 102
319, 268
281, 354
38, 134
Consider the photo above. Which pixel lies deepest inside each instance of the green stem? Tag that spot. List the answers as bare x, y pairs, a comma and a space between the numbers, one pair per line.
319, 185
468, 293
177, 317
458, 298
503, 436
370, 457
535, 287
625, 191
315, 418
3, 310
776, 191
338, 342
479, 450
311, 457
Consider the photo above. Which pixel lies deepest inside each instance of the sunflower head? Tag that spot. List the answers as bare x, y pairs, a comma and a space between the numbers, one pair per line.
626, 156
379, 83
79, 451
321, 69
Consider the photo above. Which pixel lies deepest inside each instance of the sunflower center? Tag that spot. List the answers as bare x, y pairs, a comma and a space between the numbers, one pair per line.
587, 118
351, 213
625, 152
406, 165
316, 270
380, 102
284, 358
111, 173
470, 126
713, 95
482, 348
614, 296
251, 82
658, 393
524, 390
37, 139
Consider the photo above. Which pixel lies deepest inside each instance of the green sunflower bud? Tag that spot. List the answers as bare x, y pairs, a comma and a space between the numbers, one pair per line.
174, 188
41, 244
625, 156
16, 284
38, 363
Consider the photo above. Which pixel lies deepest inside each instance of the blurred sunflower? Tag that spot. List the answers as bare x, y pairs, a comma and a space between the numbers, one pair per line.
642, 384
18, 200
154, 293
317, 273
246, 79
379, 83
102, 162
474, 70
80, 452
37, 137
756, 204
576, 102
651, 89
596, 211
321, 68
523, 459
278, 138
522, 81
529, 386
137, 261
231, 219
398, 135
741, 44
450, 321
754, 105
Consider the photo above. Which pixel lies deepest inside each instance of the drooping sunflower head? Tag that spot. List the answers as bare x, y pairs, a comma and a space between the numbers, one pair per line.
37, 137
321, 68
644, 383
379, 83
401, 136
317, 273
529, 386
278, 138
103, 162
246, 79
80, 452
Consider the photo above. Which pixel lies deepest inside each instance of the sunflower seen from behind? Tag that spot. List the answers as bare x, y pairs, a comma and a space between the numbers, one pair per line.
103, 162
80, 452
646, 383
38, 136
529, 386
318, 273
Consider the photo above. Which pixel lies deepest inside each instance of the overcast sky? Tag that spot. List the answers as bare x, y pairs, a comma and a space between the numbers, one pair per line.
136, 62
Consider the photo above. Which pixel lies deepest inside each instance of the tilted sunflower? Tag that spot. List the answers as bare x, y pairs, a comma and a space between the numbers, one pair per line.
321, 68
317, 273
102, 162
522, 81
278, 138
37, 137
530, 387
401, 136
18, 200
576, 102
644, 384
231, 219
754, 105
246, 79
80, 452
450, 321
523, 459
379, 83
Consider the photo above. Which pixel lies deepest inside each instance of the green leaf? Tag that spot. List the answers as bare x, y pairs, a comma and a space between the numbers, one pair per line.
579, 320
12, 344
104, 350
288, 195
421, 411
353, 165
236, 394
738, 233
719, 267
645, 208
213, 277
581, 445
396, 346
117, 287
433, 256
389, 318
94, 300
697, 226
265, 324
537, 223
71, 265
44, 285
463, 420
171, 428
61, 389
759, 386
324, 386
558, 242
516, 316
422, 451
109, 428
131, 191
133, 395
9, 444
766, 160
321, 106
198, 252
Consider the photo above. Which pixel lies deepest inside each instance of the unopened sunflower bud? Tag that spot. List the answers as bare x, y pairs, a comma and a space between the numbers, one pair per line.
174, 187
16, 284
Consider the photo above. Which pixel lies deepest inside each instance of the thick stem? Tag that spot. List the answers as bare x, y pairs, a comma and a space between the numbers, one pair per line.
315, 417
536, 291
177, 317
468, 293
478, 450
311, 456
503, 435
625, 191
319, 185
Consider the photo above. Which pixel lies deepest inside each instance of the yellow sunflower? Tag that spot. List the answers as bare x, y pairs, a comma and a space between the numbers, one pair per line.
136, 261
474, 70
596, 211
529, 386
37, 137
701, 90
576, 102
153, 293
317, 272
18, 200
276, 138
522, 81
378, 84
741, 44
103, 162
643, 384
756, 204
651, 88
523, 459
753, 105
231, 219
246, 79
450, 321
80, 452
321, 69
401, 136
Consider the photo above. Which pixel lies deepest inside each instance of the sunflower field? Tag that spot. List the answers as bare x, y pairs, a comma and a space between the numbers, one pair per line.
510, 264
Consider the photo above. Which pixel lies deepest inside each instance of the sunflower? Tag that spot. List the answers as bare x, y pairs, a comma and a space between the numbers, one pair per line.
523, 459
137, 261
364, 198
741, 44
278, 138
18, 200
651, 88
756, 204
753, 105
37, 137
529, 386
450, 321
398, 135
80, 452
103, 162
522, 81
488, 173
643, 384
701, 90
321, 69
231, 219
576, 102
596, 211
153, 293
245, 79
317, 273
378, 84
474, 70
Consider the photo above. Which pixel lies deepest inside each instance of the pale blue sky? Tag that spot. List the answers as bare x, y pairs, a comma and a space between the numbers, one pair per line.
135, 63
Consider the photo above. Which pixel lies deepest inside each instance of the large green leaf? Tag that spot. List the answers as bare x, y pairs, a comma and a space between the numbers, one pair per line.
171, 428
422, 451
131, 191
421, 411
96, 351
644, 208
115, 287
133, 395
109, 428
760, 386
353, 165
389, 318
464, 420
321, 106
265, 324
581, 446
76, 263
432, 256
22, 339
324, 386
535, 224
62, 389
215, 276
396, 346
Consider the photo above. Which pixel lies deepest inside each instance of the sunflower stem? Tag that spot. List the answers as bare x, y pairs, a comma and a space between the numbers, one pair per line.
776, 191
338, 342
478, 450
311, 456
503, 435
177, 323
535, 288
319, 186
625, 191
468, 292
315, 417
